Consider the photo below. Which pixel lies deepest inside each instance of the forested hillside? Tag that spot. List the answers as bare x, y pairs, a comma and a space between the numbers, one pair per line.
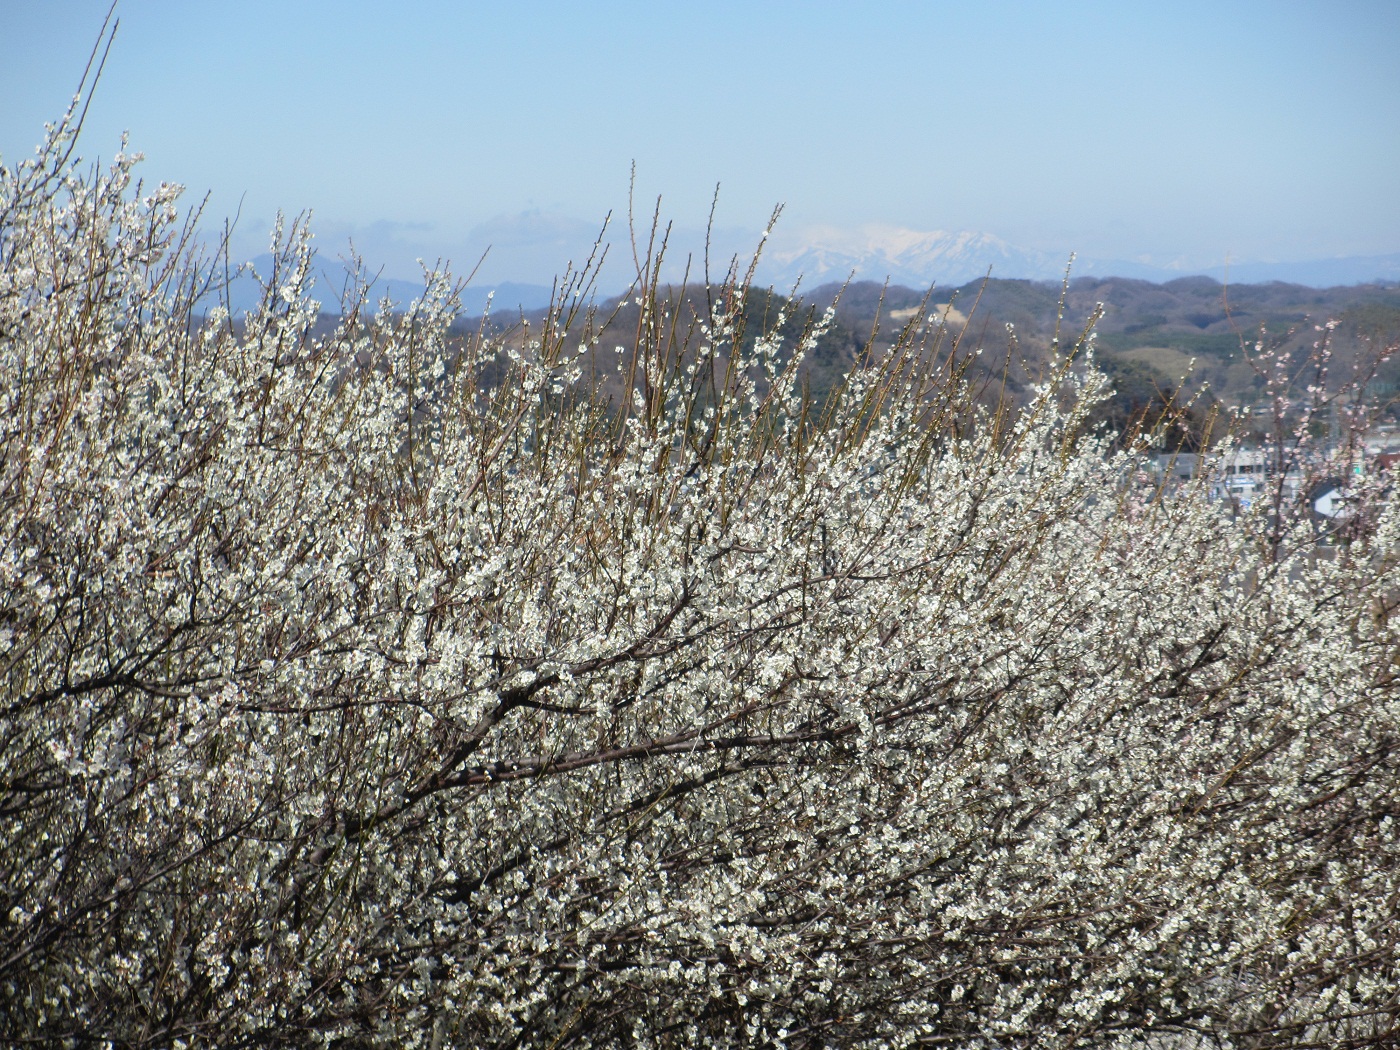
1192, 340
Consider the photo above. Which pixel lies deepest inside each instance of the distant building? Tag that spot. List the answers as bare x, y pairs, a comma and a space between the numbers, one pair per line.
1240, 475
1386, 461
1328, 499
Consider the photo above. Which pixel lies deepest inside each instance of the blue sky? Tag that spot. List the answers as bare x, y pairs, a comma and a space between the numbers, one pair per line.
1172, 131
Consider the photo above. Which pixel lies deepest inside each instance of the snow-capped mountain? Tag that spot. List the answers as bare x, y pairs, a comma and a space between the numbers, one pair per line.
818, 255
924, 258
910, 257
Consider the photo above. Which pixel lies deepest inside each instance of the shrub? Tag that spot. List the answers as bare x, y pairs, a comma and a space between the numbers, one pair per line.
378, 687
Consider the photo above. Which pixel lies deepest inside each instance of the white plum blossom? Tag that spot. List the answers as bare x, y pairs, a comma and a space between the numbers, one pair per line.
386, 686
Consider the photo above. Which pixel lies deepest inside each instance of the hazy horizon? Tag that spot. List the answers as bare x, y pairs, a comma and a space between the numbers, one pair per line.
1172, 138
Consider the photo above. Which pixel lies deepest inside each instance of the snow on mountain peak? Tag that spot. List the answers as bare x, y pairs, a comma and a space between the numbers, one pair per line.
918, 257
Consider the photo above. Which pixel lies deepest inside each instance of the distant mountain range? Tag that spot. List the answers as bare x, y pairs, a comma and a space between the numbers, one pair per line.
506, 297
915, 258
910, 257
921, 258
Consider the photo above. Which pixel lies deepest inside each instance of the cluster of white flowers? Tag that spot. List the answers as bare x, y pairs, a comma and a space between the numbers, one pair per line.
387, 688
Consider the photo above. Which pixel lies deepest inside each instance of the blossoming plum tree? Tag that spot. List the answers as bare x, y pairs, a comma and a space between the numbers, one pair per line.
386, 687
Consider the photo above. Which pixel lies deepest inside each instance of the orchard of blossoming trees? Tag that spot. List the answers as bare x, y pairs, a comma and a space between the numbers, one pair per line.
383, 687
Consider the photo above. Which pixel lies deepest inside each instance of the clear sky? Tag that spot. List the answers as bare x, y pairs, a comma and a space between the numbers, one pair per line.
1262, 129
